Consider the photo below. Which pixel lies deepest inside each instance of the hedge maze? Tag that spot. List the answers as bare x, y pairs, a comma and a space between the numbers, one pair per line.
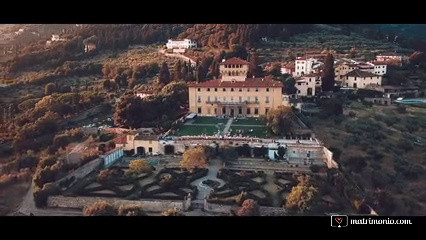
167, 184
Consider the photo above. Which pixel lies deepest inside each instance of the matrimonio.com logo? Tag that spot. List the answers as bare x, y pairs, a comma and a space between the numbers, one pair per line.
339, 221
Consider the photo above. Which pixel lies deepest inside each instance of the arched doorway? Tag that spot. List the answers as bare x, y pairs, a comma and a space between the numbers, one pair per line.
140, 150
169, 149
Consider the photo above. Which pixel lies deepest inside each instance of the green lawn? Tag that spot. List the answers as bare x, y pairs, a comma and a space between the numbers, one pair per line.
261, 131
209, 120
248, 121
192, 130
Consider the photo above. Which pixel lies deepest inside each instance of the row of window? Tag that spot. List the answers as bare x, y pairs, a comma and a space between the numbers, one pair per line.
240, 99
233, 66
232, 89
230, 111
365, 78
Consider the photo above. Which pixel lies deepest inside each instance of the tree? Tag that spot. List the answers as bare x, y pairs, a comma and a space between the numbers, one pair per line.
139, 166
279, 120
194, 158
100, 208
417, 57
172, 212
178, 71
301, 196
289, 85
49, 89
164, 74
331, 107
254, 62
328, 73
131, 210
275, 70
249, 208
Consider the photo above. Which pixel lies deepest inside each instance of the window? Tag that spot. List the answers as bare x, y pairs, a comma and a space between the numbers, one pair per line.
240, 90
215, 99
208, 99
240, 99
267, 89
248, 111
257, 89
199, 110
208, 89
223, 110
215, 111
224, 99
240, 110
256, 111
232, 89
232, 99
215, 89
199, 99
248, 89
150, 149
267, 100
256, 99
248, 99
199, 89
224, 89
266, 111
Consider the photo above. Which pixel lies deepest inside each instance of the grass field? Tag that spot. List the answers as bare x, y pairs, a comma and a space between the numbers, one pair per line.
261, 131
193, 130
249, 121
209, 120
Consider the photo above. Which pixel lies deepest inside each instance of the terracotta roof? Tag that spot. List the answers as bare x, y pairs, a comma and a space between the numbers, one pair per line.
146, 137
311, 75
379, 63
359, 73
290, 65
120, 140
235, 60
249, 82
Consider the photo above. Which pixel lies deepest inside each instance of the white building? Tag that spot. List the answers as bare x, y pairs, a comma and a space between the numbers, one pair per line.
361, 79
389, 56
308, 85
288, 69
380, 68
181, 44
306, 66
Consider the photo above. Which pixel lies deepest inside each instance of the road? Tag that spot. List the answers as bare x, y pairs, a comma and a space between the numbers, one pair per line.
28, 207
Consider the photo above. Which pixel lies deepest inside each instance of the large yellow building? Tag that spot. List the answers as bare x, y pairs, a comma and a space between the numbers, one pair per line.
233, 94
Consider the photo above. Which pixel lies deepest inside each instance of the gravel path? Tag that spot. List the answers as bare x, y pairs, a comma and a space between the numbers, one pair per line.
203, 190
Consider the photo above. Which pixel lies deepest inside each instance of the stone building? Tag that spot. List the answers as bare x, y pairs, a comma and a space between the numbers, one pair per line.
233, 94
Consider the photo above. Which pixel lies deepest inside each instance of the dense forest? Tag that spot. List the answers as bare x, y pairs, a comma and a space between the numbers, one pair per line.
224, 36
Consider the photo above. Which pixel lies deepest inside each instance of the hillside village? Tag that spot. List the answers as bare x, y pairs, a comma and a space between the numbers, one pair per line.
184, 132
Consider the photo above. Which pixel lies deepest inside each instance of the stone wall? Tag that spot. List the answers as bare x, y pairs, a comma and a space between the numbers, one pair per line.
81, 202
81, 172
329, 159
226, 209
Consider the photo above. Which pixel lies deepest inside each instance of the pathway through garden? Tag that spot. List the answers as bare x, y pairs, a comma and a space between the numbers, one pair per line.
227, 126
203, 190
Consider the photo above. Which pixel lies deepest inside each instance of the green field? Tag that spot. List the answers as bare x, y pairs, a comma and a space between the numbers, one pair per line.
209, 120
248, 121
193, 130
261, 131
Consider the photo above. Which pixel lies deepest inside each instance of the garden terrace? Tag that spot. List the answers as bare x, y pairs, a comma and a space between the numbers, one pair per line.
165, 184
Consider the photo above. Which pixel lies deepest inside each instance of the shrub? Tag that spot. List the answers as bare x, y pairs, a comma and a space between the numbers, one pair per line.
100, 208
130, 210
172, 212
249, 208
